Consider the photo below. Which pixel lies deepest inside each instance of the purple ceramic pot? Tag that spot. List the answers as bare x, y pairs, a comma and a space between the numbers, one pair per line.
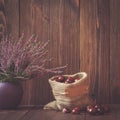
10, 95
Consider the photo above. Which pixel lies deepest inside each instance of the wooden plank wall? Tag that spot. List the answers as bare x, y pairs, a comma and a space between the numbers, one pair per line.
115, 50
94, 45
83, 34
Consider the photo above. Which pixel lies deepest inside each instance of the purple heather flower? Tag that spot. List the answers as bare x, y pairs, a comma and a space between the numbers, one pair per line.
24, 58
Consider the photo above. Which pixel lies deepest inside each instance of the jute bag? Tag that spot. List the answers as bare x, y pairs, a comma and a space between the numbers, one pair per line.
70, 95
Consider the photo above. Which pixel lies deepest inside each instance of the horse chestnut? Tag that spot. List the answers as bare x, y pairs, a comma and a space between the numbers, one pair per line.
60, 79
76, 110
70, 80
95, 109
92, 111
66, 110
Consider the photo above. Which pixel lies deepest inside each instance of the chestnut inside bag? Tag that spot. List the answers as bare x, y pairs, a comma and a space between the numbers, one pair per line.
72, 94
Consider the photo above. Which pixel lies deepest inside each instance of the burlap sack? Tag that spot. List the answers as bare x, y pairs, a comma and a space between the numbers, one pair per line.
70, 95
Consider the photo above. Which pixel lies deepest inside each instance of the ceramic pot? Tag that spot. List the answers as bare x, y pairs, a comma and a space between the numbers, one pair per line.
10, 95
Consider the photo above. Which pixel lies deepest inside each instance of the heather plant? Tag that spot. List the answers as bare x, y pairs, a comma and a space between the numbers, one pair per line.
24, 59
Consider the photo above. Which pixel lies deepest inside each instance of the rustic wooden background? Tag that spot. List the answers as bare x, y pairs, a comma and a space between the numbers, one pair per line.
85, 34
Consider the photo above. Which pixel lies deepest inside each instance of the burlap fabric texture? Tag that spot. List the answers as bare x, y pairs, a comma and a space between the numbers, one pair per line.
70, 95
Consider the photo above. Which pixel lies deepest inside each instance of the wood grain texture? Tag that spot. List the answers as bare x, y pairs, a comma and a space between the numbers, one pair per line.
56, 34
70, 37
12, 115
115, 50
41, 17
65, 40
88, 42
94, 46
39, 114
34, 19
26, 19
103, 51
25, 24
51, 115
9, 18
12, 18
2, 20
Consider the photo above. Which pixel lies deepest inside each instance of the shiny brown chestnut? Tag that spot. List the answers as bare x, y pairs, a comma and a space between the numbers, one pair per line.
60, 78
76, 110
92, 111
95, 109
70, 80
66, 110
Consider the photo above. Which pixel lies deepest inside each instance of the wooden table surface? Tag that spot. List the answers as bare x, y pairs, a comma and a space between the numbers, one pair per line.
40, 114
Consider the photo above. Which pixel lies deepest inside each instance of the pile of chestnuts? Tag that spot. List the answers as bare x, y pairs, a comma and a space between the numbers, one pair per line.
96, 109
66, 80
